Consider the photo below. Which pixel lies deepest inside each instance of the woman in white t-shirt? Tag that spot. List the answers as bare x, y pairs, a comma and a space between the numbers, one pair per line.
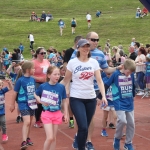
82, 71
140, 69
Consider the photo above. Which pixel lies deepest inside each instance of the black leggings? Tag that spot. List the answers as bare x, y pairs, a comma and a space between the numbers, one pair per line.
38, 112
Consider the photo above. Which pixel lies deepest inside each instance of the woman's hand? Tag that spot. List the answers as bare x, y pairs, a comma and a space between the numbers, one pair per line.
65, 118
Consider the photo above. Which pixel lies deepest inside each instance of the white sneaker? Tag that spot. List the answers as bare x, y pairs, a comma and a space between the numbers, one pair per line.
140, 93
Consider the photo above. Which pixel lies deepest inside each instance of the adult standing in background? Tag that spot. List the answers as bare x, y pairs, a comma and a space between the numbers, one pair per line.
73, 25
89, 18
40, 65
132, 54
31, 39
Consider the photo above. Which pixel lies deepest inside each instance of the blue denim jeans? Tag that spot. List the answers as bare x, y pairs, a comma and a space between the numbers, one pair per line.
140, 79
83, 110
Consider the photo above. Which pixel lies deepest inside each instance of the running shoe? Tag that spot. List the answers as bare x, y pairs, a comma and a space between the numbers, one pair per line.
104, 133
4, 137
89, 146
71, 124
24, 145
75, 143
128, 147
29, 142
116, 144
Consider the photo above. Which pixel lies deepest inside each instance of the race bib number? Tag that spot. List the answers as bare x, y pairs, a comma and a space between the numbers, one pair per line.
109, 93
125, 84
49, 97
2, 100
44, 69
32, 104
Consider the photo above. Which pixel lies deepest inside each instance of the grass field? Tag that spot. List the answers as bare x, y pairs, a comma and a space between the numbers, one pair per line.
117, 22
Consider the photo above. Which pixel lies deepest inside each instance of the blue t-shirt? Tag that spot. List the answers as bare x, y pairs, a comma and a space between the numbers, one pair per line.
100, 57
61, 23
2, 100
123, 91
25, 87
73, 22
4, 49
52, 94
6, 61
109, 93
147, 69
21, 47
13, 76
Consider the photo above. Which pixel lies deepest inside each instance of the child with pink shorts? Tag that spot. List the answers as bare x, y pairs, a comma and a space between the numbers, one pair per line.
51, 94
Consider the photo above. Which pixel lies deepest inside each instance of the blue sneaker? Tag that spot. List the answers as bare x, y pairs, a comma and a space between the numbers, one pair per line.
75, 143
128, 147
89, 146
104, 133
116, 144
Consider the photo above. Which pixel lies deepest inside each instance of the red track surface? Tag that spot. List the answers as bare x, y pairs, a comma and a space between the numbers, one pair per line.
65, 135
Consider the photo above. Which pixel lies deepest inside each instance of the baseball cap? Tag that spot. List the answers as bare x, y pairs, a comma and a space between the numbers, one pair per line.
82, 42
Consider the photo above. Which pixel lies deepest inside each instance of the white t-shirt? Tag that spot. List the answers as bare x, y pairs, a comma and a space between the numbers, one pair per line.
88, 17
140, 67
31, 38
82, 77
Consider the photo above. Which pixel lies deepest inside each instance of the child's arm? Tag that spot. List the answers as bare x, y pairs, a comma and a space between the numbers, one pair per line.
65, 104
10, 68
10, 86
12, 103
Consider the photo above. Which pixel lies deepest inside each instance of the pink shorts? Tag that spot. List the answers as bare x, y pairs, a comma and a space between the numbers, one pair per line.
48, 117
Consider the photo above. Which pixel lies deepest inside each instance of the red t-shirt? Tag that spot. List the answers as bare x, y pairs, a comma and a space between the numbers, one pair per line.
40, 68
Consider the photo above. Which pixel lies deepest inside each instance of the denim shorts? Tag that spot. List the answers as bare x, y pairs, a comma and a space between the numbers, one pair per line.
27, 112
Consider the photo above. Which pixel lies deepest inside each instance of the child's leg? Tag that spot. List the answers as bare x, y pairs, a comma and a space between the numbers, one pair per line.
53, 144
31, 118
113, 112
104, 120
121, 122
50, 135
26, 126
3, 124
130, 127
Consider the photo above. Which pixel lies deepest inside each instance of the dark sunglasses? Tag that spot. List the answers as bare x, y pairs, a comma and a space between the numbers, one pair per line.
42, 53
94, 40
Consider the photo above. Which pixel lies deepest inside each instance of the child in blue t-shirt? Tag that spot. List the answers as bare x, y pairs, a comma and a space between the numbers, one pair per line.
123, 92
2, 108
108, 109
61, 24
51, 94
25, 88
13, 71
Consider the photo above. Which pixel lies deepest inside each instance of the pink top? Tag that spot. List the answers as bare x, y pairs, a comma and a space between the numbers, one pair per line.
40, 68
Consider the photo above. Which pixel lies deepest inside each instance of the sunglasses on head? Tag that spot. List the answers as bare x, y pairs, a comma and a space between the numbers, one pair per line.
42, 53
94, 40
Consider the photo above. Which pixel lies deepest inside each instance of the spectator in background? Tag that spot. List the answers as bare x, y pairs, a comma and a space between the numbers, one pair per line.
5, 49
147, 47
61, 24
14, 56
21, 47
89, 18
33, 16
73, 25
43, 16
116, 56
6, 59
49, 16
132, 52
138, 13
32, 53
133, 42
136, 47
108, 43
31, 38
107, 53
98, 13
144, 12
63, 54
140, 69
99, 47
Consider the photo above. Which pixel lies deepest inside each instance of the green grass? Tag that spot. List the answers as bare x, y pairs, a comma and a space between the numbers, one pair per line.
119, 28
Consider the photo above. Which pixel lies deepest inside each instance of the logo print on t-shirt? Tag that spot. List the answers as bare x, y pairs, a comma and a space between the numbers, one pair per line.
86, 75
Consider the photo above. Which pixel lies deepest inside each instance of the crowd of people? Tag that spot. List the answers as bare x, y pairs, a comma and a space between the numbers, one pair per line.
56, 87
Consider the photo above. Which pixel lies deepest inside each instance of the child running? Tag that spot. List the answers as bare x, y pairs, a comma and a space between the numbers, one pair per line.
25, 88
107, 109
123, 93
2, 108
50, 95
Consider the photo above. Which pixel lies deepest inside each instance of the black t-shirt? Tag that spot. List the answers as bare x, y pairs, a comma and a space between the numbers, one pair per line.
68, 54
133, 56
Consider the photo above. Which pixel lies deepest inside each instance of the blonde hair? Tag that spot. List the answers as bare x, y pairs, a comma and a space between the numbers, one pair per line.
27, 65
49, 71
129, 64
